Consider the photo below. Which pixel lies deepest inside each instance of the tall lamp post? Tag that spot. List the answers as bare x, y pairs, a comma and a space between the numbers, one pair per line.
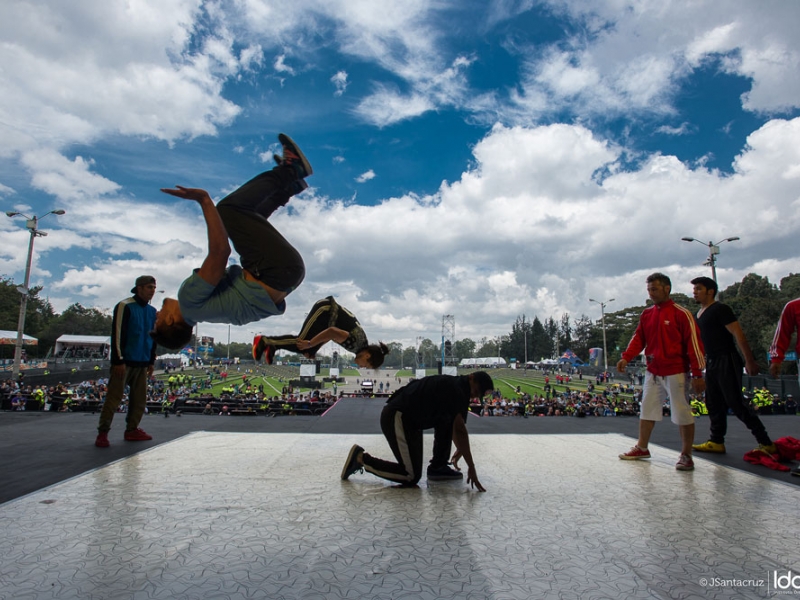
713, 250
603, 321
32, 224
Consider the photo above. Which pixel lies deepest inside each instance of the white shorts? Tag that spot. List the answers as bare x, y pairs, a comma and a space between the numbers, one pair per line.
657, 389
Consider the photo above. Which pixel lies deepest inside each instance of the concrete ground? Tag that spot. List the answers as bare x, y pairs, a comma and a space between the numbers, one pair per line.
41, 448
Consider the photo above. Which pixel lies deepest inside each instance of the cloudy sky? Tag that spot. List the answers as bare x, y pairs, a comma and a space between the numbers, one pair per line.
480, 158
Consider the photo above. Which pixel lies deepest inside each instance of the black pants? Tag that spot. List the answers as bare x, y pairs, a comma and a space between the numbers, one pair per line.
405, 440
262, 250
724, 391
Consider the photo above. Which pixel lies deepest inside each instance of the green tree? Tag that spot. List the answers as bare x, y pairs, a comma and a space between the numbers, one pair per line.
584, 337
464, 348
38, 314
75, 320
395, 356
552, 332
565, 332
409, 357
757, 304
790, 286
541, 343
488, 347
429, 353
620, 327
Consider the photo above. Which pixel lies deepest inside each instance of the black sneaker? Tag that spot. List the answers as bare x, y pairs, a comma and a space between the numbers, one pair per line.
292, 155
796, 471
296, 186
352, 464
444, 473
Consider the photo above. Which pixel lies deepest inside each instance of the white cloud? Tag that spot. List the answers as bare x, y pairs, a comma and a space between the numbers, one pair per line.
387, 106
633, 57
280, 65
366, 176
65, 179
339, 81
683, 129
73, 74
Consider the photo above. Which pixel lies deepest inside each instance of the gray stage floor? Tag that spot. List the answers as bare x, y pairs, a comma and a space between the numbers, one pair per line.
265, 515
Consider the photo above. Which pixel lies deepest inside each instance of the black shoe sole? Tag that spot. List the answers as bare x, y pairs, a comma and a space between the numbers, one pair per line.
285, 140
351, 464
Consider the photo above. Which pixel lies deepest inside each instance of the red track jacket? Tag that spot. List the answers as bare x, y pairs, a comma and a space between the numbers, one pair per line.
790, 320
669, 335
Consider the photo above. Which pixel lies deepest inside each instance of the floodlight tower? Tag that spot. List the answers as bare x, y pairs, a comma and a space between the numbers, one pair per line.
448, 339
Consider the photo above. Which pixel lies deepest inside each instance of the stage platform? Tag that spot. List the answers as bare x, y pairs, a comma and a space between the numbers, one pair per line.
264, 515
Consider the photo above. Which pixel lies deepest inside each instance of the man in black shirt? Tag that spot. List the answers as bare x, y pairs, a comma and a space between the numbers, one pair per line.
440, 402
721, 334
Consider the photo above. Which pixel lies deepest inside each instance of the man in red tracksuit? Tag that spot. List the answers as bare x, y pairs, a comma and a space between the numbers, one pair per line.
789, 324
669, 335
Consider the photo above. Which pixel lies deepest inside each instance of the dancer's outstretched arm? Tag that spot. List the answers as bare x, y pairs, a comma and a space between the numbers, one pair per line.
219, 249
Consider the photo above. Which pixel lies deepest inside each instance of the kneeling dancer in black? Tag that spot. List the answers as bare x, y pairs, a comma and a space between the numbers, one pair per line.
440, 402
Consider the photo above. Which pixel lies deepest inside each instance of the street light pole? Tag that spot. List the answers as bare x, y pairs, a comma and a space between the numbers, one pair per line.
713, 250
603, 321
33, 225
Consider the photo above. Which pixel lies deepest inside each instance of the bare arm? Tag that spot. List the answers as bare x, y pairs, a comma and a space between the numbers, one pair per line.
330, 334
750, 364
461, 440
219, 249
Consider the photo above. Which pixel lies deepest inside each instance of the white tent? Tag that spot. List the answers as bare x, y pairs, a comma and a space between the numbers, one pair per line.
83, 346
10, 337
487, 361
176, 358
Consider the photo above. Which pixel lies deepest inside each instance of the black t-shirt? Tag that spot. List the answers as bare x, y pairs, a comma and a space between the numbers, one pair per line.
434, 400
717, 340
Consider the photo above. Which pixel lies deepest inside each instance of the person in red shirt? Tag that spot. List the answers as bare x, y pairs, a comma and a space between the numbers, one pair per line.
789, 323
669, 336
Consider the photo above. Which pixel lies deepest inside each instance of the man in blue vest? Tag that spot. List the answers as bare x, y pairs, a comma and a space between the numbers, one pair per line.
133, 354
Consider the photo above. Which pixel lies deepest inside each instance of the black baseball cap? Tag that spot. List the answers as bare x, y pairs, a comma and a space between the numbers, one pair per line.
143, 280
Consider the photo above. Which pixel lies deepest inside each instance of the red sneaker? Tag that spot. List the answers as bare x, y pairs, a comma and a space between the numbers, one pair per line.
270, 355
635, 453
685, 463
258, 348
102, 440
137, 435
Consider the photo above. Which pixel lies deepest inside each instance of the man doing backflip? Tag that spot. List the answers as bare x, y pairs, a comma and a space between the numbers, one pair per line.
668, 334
133, 354
440, 402
721, 333
270, 268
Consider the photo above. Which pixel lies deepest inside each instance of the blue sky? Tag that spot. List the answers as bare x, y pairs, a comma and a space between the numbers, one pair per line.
482, 159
